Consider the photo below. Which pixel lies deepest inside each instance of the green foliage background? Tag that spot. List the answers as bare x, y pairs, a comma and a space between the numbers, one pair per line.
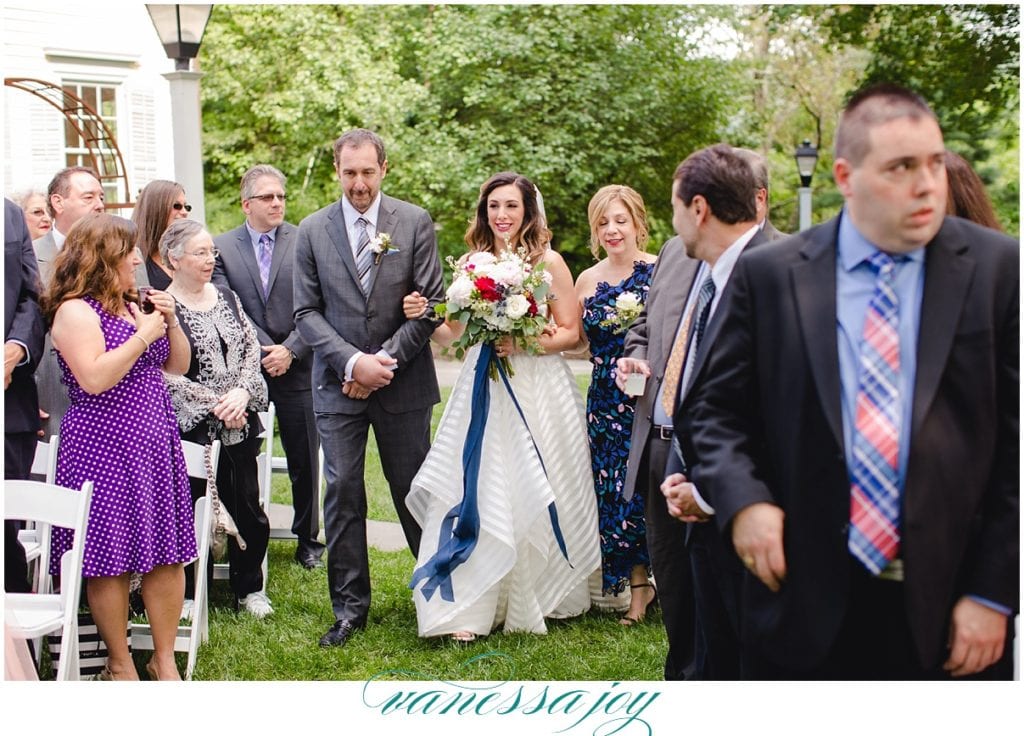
579, 96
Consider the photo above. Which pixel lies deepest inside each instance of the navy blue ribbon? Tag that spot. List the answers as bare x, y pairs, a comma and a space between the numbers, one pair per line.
460, 527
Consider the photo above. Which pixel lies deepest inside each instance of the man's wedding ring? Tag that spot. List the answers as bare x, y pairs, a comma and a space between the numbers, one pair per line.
749, 562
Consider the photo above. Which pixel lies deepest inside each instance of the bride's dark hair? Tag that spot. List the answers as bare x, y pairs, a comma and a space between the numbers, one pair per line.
534, 236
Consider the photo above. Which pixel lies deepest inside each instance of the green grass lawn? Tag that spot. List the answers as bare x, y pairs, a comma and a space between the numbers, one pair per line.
284, 646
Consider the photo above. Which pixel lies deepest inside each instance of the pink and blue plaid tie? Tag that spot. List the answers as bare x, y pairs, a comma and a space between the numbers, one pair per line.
874, 494
266, 256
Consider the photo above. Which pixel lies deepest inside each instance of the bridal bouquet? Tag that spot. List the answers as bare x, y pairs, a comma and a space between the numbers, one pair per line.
627, 308
496, 298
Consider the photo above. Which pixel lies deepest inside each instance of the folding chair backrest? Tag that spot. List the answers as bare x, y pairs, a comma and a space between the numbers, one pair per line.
48, 505
44, 464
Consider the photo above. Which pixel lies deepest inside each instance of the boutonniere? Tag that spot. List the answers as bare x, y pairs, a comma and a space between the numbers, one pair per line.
381, 245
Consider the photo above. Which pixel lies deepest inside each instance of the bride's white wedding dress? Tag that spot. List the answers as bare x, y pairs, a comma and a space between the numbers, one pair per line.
516, 574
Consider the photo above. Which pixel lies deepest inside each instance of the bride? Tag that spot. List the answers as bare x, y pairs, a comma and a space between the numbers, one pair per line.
537, 539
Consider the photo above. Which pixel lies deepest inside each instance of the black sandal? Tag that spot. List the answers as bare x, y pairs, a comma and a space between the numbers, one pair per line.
628, 620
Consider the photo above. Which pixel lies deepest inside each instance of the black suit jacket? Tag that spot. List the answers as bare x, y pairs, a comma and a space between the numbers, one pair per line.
765, 424
273, 315
23, 321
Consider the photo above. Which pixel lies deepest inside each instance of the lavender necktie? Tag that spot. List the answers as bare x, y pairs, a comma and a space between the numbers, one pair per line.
266, 255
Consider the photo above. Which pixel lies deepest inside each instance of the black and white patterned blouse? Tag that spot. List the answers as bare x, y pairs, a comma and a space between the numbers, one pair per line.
225, 354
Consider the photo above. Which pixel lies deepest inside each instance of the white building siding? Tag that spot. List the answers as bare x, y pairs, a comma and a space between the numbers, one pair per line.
105, 42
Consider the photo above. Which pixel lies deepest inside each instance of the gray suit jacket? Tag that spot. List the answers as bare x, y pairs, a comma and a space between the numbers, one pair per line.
650, 338
53, 395
273, 315
46, 253
337, 320
771, 233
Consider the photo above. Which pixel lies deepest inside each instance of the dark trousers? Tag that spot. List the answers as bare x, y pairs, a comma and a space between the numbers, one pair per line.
670, 562
874, 642
297, 427
238, 489
403, 441
19, 450
717, 577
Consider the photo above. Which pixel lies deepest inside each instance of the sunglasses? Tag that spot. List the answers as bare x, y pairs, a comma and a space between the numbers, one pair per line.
180, 206
268, 198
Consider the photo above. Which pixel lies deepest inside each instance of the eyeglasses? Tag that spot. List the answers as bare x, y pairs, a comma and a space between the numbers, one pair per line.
268, 198
180, 206
204, 254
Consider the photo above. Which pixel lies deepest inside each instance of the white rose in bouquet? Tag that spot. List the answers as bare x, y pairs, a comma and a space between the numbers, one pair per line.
459, 292
508, 273
627, 301
480, 260
516, 306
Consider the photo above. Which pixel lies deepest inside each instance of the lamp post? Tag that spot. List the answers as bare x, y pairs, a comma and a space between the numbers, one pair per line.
806, 157
181, 28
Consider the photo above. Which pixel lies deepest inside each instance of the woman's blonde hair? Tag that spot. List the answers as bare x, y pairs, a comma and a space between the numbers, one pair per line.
89, 262
633, 203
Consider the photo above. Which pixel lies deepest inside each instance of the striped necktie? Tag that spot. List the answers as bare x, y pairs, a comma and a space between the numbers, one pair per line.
266, 256
874, 476
364, 254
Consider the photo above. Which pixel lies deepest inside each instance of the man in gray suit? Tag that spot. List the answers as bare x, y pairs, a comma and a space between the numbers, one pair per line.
73, 193
255, 262
371, 366
760, 168
647, 349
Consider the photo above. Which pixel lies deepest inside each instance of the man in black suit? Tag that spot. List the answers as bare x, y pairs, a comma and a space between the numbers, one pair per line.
23, 347
255, 262
869, 479
715, 211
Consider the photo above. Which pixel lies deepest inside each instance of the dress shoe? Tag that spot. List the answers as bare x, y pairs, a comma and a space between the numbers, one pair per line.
339, 633
309, 560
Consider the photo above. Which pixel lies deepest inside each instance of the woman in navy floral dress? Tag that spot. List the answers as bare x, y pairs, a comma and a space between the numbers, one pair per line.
611, 294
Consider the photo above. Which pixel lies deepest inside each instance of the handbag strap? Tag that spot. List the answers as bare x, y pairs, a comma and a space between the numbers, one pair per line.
211, 480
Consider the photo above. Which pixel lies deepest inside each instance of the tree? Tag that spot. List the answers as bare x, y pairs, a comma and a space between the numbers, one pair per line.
575, 97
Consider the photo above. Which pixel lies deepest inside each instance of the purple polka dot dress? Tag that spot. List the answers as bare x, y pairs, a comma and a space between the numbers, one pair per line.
125, 440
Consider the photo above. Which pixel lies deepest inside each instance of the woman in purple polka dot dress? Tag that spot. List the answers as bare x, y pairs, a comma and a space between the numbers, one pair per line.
120, 433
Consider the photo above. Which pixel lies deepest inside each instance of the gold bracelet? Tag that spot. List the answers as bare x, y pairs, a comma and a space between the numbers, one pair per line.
143, 340
176, 324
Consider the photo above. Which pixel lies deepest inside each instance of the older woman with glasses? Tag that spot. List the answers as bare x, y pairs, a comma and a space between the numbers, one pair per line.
37, 216
160, 203
219, 395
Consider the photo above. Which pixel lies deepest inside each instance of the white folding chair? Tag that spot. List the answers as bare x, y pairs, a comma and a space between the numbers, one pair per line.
191, 635
44, 467
264, 472
32, 615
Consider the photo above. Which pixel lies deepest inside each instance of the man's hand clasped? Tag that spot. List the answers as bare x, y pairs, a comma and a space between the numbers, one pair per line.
678, 492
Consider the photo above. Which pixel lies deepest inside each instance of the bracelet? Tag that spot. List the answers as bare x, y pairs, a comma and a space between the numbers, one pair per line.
176, 324
143, 340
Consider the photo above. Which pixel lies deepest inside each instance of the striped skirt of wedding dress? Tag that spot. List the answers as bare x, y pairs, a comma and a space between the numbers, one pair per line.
516, 574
